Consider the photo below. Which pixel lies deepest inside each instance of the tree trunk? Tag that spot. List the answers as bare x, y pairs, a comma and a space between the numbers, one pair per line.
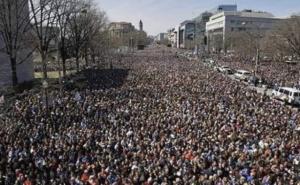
64, 66
63, 56
86, 58
77, 63
94, 58
14, 71
44, 63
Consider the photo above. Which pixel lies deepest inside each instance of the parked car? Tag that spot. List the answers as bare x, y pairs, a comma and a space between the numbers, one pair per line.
292, 62
287, 94
225, 69
242, 75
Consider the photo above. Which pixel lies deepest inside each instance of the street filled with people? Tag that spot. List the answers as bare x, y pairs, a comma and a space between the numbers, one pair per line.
153, 118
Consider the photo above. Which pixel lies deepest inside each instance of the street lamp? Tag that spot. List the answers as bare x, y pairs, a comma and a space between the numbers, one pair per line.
84, 12
45, 87
131, 45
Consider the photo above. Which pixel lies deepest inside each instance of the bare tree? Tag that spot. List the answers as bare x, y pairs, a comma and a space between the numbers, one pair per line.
287, 34
242, 43
44, 19
65, 9
14, 22
96, 46
98, 24
103, 46
83, 27
216, 42
272, 46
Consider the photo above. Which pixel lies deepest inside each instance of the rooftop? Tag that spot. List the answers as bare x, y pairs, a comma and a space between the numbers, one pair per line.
290, 89
120, 23
186, 22
244, 13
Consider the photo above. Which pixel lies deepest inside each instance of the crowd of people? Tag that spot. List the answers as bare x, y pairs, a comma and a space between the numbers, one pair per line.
170, 121
275, 73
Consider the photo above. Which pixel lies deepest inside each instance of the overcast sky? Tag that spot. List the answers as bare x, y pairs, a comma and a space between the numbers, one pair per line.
160, 15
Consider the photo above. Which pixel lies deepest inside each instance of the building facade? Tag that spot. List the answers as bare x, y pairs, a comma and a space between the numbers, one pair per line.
186, 34
119, 29
221, 25
172, 37
192, 33
200, 30
161, 36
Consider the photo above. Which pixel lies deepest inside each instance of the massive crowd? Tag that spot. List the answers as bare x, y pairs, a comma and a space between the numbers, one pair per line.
275, 73
171, 121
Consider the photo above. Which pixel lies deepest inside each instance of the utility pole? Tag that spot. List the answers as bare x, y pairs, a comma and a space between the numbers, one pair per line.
256, 61
257, 40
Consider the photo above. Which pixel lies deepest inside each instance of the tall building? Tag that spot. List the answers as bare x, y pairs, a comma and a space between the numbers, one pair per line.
222, 24
186, 34
141, 25
200, 30
24, 67
119, 29
192, 33
172, 37
160, 37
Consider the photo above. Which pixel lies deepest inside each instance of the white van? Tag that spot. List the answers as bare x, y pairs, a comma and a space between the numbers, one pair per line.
242, 75
287, 94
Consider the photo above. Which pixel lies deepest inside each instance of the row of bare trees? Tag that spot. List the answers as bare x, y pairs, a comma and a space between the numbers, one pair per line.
71, 28
282, 40
131, 39
285, 39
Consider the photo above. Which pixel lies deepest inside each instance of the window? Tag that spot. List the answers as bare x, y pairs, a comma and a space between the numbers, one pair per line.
286, 92
297, 94
281, 90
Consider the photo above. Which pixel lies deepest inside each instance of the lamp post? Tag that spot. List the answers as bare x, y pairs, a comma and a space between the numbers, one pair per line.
256, 37
131, 44
45, 87
84, 12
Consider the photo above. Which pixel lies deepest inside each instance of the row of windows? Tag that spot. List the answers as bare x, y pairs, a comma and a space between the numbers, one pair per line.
240, 22
289, 93
238, 29
217, 24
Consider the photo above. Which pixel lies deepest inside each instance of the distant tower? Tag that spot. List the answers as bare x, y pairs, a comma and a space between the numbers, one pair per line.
141, 25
